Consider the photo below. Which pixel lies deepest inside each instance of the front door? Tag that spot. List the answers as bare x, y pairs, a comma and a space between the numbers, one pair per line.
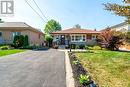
62, 39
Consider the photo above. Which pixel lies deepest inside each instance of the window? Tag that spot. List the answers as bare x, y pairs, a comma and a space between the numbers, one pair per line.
0, 34
78, 38
84, 38
72, 38
94, 36
16, 34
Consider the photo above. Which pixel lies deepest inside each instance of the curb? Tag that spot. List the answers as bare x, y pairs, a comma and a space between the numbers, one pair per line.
69, 72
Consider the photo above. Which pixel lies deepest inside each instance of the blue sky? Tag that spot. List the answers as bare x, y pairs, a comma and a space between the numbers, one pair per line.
90, 14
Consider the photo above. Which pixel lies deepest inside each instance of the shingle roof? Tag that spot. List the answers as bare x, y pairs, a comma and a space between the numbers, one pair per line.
13, 24
17, 25
75, 31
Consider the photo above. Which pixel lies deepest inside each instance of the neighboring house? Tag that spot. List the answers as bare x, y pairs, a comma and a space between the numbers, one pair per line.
9, 29
75, 36
123, 27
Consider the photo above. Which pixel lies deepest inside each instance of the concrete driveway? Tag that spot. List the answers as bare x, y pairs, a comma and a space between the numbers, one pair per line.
33, 69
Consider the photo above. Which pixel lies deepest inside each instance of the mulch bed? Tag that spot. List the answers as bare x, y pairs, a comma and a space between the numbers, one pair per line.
78, 69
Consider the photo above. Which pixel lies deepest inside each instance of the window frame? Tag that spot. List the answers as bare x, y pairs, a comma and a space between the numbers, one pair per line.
78, 38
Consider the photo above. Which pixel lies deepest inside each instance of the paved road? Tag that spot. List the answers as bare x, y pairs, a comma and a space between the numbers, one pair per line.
33, 69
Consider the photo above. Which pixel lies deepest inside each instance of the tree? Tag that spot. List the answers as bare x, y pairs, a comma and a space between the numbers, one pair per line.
52, 26
49, 40
120, 10
111, 39
26, 42
77, 26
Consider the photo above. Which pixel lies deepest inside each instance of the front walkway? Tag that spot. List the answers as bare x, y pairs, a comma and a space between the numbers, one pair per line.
33, 69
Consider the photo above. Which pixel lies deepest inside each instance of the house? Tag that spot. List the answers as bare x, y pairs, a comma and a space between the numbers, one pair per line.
123, 27
9, 29
75, 36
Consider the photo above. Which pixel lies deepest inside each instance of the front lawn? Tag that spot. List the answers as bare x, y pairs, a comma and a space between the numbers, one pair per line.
8, 52
107, 68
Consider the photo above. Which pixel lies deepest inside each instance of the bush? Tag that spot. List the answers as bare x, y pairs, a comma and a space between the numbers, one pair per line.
55, 46
73, 46
84, 79
18, 41
96, 48
81, 46
4, 47
115, 43
49, 40
93, 48
88, 47
26, 42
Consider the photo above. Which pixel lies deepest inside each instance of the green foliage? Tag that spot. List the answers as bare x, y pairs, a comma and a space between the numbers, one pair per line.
76, 62
120, 10
96, 48
73, 46
8, 52
20, 41
4, 47
93, 48
26, 42
52, 26
88, 47
81, 46
84, 79
49, 39
114, 43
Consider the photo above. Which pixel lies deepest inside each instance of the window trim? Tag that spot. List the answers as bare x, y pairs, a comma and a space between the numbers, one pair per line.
82, 36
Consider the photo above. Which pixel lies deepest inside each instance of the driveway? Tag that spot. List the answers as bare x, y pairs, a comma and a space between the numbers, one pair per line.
33, 69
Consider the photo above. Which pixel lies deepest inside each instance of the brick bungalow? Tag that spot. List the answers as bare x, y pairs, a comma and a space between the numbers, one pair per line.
75, 36
9, 29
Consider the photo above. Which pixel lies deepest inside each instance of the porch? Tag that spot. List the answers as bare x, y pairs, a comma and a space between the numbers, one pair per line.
77, 39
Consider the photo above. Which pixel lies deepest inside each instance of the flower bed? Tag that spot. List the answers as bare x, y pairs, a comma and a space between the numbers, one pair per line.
82, 79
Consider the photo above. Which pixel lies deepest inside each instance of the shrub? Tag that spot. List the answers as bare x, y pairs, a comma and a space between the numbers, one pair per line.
76, 62
49, 40
21, 40
81, 46
115, 43
77, 47
4, 47
18, 41
84, 79
26, 42
73, 46
96, 48
55, 46
88, 47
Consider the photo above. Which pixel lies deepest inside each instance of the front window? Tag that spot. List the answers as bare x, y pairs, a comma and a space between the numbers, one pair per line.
0, 34
16, 34
72, 38
78, 38
94, 36
84, 38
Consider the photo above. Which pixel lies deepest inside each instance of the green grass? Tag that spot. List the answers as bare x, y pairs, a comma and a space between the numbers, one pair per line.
107, 68
8, 52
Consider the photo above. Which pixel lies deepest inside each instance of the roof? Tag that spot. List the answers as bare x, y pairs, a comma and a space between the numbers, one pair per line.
17, 25
119, 25
75, 31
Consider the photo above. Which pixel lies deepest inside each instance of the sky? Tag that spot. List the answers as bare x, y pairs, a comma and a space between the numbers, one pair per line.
90, 14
